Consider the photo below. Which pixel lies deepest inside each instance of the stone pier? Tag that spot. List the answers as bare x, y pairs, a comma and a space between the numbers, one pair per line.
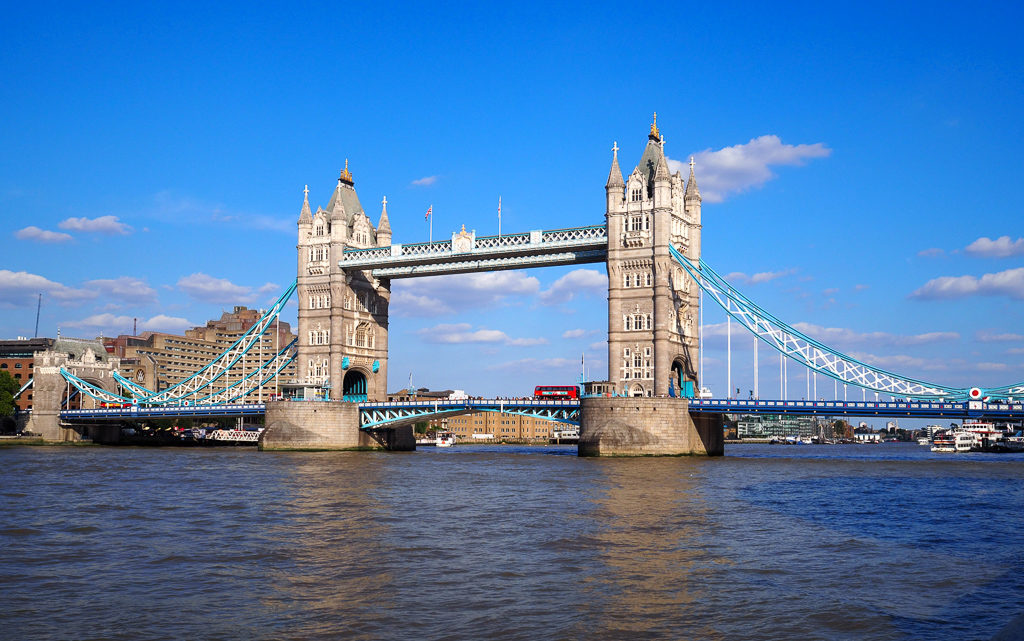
325, 425
620, 426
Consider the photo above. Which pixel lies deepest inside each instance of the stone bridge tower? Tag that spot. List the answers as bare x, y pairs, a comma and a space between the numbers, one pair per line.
86, 359
653, 305
343, 316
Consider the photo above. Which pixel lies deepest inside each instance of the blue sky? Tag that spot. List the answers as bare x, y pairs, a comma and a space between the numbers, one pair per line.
860, 167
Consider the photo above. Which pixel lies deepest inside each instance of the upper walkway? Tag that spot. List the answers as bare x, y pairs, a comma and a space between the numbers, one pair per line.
466, 252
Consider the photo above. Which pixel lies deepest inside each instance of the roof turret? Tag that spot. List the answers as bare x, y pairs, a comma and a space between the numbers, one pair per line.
304, 214
384, 226
615, 174
691, 185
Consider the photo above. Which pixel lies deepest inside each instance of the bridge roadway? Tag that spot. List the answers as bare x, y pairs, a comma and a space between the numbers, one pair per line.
378, 414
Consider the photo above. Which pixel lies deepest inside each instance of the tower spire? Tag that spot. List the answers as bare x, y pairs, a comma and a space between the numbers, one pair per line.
384, 225
304, 213
654, 135
615, 174
691, 185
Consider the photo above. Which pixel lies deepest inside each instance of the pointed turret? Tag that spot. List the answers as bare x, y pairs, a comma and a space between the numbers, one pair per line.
304, 215
691, 186
615, 174
384, 226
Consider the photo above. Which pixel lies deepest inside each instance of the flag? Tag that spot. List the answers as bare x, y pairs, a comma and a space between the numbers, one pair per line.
499, 207
429, 209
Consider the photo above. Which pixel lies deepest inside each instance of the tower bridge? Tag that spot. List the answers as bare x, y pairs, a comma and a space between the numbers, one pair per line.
650, 243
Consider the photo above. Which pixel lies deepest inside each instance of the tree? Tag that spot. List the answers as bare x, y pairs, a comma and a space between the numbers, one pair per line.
8, 387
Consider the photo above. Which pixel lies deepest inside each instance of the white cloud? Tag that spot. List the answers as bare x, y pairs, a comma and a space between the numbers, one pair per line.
740, 167
902, 362
22, 289
578, 281
541, 368
206, 288
113, 325
575, 333
459, 333
41, 235
101, 225
986, 336
426, 181
124, 289
760, 277
1001, 247
185, 209
440, 295
1005, 283
931, 252
836, 337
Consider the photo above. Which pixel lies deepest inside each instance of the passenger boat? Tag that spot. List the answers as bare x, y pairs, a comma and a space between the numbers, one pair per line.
445, 439
943, 443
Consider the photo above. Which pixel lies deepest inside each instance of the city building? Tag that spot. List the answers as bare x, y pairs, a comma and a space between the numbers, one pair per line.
158, 360
775, 426
497, 426
17, 357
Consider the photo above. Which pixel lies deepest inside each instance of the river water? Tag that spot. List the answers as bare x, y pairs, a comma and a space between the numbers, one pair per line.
481, 542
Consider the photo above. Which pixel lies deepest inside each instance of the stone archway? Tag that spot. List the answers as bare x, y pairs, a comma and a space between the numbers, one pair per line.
354, 386
636, 390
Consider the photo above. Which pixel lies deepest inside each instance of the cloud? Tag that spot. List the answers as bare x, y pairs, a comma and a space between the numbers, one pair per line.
860, 288
426, 181
546, 368
1001, 247
760, 277
22, 288
931, 252
836, 337
459, 333
41, 235
740, 167
101, 225
125, 289
580, 333
185, 209
985, 336
441, 295
902, 362
111, 325
206, 288
1005, 283
578, 281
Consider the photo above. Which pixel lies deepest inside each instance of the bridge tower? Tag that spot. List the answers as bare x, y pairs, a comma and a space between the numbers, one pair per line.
653, 305
343, 315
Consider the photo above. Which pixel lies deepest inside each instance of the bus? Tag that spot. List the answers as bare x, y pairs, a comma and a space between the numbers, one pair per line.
556, 392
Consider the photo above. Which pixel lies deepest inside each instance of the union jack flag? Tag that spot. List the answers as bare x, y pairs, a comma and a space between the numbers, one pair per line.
429, 209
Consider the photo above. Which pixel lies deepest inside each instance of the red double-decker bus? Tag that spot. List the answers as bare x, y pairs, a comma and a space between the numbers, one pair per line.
556, 392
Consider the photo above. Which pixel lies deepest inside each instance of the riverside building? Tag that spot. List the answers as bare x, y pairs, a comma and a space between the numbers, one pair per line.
158, 360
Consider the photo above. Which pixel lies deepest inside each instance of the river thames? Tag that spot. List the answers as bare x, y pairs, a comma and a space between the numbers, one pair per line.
491, 542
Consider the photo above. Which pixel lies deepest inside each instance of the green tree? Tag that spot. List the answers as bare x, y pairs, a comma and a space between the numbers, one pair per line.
8, 386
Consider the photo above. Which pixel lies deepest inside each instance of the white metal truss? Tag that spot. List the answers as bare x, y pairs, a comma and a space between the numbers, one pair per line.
374, 415
805, 350
136, 390
190, 388
93, 391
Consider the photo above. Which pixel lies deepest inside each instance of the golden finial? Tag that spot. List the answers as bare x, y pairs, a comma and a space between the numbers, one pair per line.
654, 128
346, 175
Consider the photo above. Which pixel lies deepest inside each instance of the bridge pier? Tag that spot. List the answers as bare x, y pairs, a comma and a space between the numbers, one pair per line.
315, 425
621, 426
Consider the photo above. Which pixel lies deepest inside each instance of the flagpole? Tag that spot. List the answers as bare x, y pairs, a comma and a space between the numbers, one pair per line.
431, 217
499, 216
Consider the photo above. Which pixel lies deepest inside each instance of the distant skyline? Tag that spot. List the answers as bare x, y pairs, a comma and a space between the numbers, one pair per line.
859, 168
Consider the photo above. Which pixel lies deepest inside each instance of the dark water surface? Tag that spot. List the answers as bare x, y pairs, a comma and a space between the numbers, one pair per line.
768, 542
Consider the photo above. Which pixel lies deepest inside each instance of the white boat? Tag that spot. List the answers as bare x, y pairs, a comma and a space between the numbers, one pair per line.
923, 441
943, 443
445, 439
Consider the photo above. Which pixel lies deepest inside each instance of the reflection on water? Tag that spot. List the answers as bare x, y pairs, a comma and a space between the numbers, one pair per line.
508, 543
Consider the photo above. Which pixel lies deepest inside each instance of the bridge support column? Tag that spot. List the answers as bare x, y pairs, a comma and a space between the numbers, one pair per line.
620, 426
314, 425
